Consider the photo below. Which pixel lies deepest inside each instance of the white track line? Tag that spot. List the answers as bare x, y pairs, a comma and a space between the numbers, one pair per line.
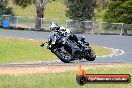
115, 52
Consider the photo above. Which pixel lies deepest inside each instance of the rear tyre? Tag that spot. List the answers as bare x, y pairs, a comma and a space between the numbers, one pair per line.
63, 55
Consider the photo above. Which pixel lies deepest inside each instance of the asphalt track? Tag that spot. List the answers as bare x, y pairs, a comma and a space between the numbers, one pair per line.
112, 41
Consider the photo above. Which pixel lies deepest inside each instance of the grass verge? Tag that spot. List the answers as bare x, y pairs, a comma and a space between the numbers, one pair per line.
60, 80
13, 50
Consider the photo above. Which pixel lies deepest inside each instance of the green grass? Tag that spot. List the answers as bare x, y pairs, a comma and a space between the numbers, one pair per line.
13, 50
100, 51
54, 10
60, 80
18, 50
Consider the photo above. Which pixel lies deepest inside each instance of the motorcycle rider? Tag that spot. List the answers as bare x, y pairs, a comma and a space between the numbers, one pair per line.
67, 46
55, 27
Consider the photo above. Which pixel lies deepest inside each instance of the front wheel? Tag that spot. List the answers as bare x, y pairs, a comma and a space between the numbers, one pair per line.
63, 55
90, 55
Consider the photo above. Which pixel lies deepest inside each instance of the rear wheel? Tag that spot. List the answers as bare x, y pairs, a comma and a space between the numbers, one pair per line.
63, 55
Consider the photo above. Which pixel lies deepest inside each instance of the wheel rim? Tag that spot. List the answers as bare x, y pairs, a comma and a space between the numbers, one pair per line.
92, 53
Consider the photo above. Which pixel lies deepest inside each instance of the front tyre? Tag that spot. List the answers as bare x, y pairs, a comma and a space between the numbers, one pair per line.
90, 55
63, 55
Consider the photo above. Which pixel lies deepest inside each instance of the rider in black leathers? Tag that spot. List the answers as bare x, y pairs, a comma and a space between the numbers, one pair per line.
55, 27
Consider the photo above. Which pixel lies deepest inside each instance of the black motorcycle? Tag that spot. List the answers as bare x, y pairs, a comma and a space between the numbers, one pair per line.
68, 47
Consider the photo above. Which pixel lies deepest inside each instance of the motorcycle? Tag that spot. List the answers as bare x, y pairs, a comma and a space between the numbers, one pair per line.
68, 47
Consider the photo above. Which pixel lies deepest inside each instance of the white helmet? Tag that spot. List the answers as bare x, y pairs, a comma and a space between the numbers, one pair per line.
54, 26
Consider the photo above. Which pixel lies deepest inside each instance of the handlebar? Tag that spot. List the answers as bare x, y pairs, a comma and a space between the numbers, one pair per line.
42, 45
